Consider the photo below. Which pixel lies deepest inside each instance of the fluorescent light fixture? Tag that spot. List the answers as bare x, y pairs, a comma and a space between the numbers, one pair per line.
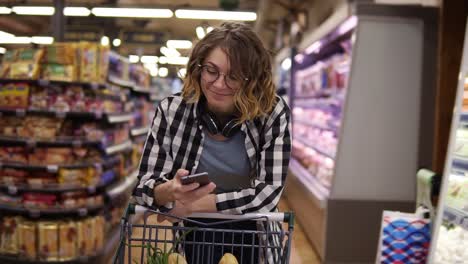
15, 40
209, 29
163, 72
286, 64
76, 11
34, 10
105, 41
347, 25
4, 34
200, 32
42, 40
182, 72
116, 42
216, 15
154, 72
2, 50
149, 59
163, 60
5, 10
133, 58
177, 60
131, 12
179, 44
169, 52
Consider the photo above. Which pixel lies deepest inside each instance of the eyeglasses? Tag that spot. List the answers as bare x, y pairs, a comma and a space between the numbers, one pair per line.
211, 74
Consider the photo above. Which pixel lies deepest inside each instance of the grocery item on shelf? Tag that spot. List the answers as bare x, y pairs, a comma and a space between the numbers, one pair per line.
451, 245
457, 192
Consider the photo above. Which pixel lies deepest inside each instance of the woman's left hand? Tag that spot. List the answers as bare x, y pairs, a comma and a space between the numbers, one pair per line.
179, 210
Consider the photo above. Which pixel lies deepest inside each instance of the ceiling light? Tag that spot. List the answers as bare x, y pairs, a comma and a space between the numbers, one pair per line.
179, 44
76, 11
2, 50
133, 58
182, 72
15, 40
149, 59
131, 12
105, 41
116, 42
209, 29
42, 40
169, 52
162, 60
163, 72
200, 32
177, 60
154, 72
151, 66
217, 15
5, 10
34, 10
4, 34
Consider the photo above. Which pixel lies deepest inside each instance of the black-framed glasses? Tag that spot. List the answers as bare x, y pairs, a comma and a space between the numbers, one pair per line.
211, 74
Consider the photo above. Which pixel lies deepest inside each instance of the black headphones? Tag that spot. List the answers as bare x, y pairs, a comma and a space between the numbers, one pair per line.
212, 124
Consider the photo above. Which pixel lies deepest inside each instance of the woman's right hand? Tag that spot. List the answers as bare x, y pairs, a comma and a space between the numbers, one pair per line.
174, 190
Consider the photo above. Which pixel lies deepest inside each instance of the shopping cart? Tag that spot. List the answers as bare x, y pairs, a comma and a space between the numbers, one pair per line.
141, 243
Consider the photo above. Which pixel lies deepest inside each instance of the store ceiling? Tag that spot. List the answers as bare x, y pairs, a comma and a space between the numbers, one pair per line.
164, 28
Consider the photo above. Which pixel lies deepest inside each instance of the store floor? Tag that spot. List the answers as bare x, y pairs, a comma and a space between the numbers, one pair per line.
302, 250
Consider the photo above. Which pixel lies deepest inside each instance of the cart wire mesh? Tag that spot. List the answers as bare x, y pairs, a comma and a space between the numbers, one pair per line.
198, 241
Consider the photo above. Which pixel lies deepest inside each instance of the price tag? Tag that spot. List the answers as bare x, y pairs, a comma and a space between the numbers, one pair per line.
82, 212
98, 167
20, 112
52, 168
12, 190
92, 189
43, 82
77, 143
34, 213
60, 114
98, 114
94, 85
31, 143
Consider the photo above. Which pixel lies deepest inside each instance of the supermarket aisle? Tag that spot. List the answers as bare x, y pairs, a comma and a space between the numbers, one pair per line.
302, 250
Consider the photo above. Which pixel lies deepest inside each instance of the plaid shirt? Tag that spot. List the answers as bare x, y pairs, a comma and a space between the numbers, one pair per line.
176, 141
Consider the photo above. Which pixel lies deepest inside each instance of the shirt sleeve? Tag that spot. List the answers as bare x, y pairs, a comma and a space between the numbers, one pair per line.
156, 162
275, 154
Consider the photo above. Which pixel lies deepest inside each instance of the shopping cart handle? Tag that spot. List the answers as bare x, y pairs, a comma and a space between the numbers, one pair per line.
279, 216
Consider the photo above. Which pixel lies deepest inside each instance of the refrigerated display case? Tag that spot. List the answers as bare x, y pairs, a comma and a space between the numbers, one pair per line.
450, 229
362, 116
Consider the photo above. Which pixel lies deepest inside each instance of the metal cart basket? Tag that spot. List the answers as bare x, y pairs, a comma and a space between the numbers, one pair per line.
204, 242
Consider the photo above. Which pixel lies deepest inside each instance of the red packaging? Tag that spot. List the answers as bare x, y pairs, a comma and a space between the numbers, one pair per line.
39, 200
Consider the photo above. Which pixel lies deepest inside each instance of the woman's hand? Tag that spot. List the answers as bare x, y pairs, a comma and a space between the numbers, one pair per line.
187, 194
179, 210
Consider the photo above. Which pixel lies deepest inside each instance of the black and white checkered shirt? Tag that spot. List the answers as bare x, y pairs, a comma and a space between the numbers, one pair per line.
176, 141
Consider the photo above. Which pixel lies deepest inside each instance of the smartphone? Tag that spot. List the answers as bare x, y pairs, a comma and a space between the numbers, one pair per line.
201, 178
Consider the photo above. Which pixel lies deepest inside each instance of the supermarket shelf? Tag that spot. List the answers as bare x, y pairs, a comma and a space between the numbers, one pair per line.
315, 125
119, 118
456, 217
51, 213
308, 144
46, 83
140, 89
16, 141
53, 168
460, 163
112, 239
118, 148
123, 186
140, 131
320, 192
121, 82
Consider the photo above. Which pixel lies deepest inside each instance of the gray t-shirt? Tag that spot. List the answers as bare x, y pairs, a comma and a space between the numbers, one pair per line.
226, 162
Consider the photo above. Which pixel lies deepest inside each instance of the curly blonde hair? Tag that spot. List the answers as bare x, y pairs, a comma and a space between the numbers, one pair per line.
248, 58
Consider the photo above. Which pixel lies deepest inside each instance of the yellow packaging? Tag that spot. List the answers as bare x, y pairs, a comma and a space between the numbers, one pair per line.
59, 72
48, 242
67, 240
103, 64
9, 235
24, 70
60, 53
73, 176
27, 238
86, 237
99, 232
88, 62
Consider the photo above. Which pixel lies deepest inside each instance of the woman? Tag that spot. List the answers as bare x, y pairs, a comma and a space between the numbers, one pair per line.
229, 122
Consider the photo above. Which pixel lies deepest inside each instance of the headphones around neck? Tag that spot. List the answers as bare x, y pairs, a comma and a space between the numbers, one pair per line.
211, 123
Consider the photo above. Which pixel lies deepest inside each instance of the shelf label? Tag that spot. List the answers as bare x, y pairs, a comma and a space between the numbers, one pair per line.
82, 212
20, 112
94, 85
98, 167
77, 143
92, 189
31, 143
52, 168
34, 213
98, 114
43, 82
12, 190
60, 114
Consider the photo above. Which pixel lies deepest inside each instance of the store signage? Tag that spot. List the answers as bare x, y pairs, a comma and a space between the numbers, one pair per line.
144, 37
